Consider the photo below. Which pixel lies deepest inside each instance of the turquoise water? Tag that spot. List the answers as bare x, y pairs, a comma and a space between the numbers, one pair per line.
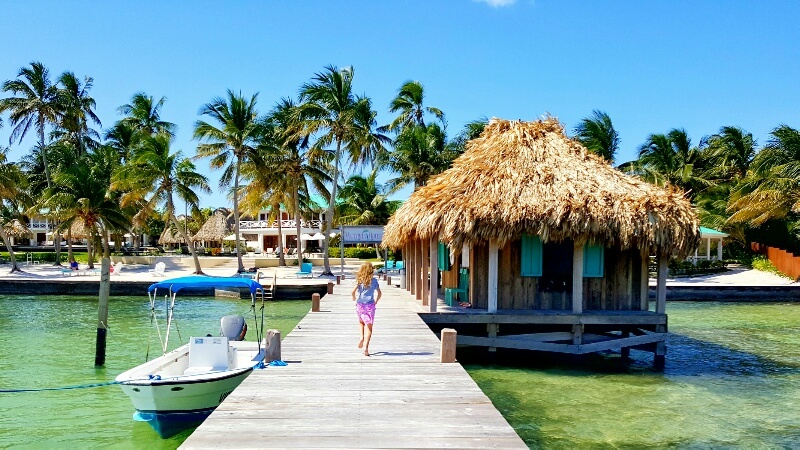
732, 380
49, 341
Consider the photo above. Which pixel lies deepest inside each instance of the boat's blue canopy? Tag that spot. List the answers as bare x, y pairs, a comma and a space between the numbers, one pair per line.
198, 281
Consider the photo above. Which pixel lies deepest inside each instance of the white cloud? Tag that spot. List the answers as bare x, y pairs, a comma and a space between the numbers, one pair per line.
497, 3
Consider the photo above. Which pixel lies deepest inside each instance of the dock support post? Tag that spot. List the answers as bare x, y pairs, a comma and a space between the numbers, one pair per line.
388, 281
434, 287
493, 250
423, 275
659, 360
661, 286
577, 279
577, 334
448, 351
315, 302
492, 329
102, 313
625, 352
272, 346
644, 285
339, 279
330, 287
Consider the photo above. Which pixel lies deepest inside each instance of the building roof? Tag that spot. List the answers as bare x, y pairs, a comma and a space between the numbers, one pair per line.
711, 233
530, 178
215, 229
15, 228
169, 237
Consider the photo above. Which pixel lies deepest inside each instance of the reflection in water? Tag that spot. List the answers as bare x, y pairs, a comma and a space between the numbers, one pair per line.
732, 378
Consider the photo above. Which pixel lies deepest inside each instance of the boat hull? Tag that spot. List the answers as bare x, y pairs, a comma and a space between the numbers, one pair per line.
174, 403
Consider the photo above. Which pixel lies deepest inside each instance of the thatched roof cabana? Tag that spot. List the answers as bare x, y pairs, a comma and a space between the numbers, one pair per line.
215, 229
16, 229
530, 178
168, 236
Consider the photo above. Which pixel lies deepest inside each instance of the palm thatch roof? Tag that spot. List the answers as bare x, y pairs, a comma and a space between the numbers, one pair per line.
78, 230
530, 178
170, 236
17, 229
215, 229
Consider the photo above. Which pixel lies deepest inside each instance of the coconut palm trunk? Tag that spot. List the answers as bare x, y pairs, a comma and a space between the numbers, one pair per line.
328, 224
236, 210
11, 257
70, 257
282, 255
297, 223
174, 220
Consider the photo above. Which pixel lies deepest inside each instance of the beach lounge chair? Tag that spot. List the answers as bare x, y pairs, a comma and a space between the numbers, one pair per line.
159, 269
116, 268
305, 271
451, 294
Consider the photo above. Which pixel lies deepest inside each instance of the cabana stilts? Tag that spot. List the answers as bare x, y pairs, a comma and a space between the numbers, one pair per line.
535, 221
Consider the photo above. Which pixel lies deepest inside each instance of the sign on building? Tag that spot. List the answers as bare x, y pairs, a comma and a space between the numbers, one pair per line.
362, 235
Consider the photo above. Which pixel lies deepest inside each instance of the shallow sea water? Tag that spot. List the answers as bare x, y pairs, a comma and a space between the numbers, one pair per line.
49, 341
732, 380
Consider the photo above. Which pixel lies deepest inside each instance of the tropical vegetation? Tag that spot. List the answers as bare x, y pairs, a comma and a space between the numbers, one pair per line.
98, 184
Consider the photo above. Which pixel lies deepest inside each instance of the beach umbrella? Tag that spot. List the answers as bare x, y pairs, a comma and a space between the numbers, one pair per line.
306, 237
233, 238
318, 237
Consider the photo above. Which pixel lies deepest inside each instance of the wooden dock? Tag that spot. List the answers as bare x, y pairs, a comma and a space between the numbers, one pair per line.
332, 396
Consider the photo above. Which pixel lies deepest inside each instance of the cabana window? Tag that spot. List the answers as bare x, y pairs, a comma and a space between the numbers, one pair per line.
444, 256
593, 256
531, 256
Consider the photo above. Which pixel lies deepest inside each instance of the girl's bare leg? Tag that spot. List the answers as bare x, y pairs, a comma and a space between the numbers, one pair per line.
368, 336
361, 327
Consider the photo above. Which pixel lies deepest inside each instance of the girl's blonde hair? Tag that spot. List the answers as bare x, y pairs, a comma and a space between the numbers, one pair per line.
364, 275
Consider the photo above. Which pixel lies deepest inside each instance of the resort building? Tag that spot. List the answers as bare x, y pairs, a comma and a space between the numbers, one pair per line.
542, 245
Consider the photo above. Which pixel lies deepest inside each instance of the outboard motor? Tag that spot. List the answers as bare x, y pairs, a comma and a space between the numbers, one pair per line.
233, 327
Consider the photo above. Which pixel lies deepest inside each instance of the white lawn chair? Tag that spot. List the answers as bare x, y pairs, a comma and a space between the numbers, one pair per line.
117, 268
159, 269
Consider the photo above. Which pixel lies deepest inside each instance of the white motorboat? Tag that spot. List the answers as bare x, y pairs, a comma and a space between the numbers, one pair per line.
179, 389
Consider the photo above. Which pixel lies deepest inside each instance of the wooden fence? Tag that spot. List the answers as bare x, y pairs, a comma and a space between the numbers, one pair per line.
784, 261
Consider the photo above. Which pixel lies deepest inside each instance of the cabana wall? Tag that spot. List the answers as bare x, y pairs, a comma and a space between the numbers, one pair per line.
614, 313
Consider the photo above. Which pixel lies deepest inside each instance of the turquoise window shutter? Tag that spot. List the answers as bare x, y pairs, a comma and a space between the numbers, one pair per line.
593, 256
444, 256
531, 256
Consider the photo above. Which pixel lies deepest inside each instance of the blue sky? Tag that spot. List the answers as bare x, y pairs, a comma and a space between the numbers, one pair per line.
651, 66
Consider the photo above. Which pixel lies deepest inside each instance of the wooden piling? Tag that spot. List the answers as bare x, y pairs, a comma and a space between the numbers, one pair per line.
272, 345
330, 287
448, 349
315, 302
102, 313
338, 281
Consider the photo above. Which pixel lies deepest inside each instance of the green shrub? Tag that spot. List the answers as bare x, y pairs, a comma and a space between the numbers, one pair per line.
353, 252
763, 264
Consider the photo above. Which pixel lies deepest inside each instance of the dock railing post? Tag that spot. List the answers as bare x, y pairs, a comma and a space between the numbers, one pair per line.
448, 351
272, 346
315, 302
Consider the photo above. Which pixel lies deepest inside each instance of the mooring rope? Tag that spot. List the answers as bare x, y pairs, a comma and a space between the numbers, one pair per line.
63, 388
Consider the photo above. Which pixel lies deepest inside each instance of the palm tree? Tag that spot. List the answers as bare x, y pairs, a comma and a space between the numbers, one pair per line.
671, 160
124, 138
771, 189
77, 111
368, 143
285, 165
162, 175
229, 144
409, 103
143, 114
329, 109
419, 153
598, 135
365, 202
734, 150
12, 190
34, 101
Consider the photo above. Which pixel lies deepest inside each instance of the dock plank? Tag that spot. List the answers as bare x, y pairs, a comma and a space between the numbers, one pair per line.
332, 396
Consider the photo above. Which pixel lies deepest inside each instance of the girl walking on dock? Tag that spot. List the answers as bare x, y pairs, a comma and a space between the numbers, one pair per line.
366, 294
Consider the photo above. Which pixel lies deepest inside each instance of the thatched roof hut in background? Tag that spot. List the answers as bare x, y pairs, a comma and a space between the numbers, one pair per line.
169, 236
528, 222
216, 227
530, 178
16, 229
